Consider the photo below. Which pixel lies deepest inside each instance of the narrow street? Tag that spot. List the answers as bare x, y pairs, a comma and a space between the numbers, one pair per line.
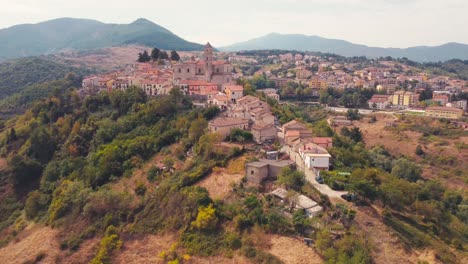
310, 175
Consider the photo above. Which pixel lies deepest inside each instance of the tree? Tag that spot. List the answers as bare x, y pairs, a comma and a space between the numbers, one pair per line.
406, 169
206, 218
175, 56
353, 114
291, 178
353, 133
197, 128
155, 54
419, 151
163, 55
144, 57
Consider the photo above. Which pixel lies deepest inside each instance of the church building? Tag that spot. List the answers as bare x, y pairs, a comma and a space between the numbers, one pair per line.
205, 69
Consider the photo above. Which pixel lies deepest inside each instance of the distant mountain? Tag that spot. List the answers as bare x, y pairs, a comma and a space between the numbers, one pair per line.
314, 43
79, 34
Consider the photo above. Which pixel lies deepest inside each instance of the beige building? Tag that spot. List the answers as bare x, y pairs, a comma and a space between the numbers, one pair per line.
444, 112
224, 125
262, 132
206, 69
234, 92
403, 98
259, 171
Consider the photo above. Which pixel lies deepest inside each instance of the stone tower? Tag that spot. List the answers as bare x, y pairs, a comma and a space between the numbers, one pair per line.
208, 57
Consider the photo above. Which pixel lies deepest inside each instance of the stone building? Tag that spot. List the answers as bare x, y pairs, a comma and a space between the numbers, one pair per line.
259, 171
205, 69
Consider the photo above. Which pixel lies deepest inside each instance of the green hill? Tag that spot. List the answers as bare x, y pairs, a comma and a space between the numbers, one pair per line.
20, 73
79, 34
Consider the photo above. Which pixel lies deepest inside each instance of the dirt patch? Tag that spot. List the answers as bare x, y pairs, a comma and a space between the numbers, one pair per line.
144, 249
219, 183
293, 250
29, 244
219, 259
85, 253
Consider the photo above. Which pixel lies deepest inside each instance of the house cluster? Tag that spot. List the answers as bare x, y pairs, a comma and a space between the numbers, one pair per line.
398, 86
153, 79
202, 78
312, 150
244, 112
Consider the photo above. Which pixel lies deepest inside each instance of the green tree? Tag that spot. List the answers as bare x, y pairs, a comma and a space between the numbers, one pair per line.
155, 54
406, 169
419, 151
291, 178
353, 114
163, 55
175, 56
197, 128
143, 57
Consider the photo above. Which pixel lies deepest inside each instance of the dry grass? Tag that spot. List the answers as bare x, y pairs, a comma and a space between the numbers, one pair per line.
30, 243
292, 250
144, 249
219, 183
105, 59
404, 142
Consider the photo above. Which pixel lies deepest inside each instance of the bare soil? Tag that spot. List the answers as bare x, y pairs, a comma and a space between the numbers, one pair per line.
293, 251
30, 243
219, 183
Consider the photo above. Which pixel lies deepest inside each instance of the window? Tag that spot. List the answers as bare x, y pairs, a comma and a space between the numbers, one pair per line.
180, 70
217, 69
199, 70
188, 70
252, 172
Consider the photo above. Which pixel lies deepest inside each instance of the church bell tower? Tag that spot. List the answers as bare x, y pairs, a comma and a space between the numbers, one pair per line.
208, 57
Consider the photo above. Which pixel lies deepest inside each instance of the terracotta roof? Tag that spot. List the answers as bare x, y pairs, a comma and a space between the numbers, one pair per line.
443, 108
198, 82
228, 121
261, 125
292, 133
322, 140
219, 62
234, 88
247, 98
220, 97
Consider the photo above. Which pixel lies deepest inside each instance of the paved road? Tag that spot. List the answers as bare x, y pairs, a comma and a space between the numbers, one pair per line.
310, 175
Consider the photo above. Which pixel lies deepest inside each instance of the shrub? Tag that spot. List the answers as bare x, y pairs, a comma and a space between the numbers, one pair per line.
110, 242
140, 189
153, 173
36, 203
206, 218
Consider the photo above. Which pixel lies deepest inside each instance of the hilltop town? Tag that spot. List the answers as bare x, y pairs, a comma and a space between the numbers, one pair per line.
247, 157
384, 84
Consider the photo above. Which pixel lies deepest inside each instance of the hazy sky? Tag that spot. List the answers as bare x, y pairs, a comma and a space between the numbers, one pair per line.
384, 23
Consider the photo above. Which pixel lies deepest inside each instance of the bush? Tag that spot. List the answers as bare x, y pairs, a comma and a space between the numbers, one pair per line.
153, 173
110, 242
140, 189
239, 135
36, 203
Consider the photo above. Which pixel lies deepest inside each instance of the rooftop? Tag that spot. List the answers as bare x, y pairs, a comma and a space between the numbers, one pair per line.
228, 121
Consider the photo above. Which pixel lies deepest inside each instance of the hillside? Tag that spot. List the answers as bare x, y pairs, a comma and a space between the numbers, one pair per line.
20, 73
318, 44
81, 34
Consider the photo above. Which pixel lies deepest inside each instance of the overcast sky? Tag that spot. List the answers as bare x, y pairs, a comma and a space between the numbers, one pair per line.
383, 23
